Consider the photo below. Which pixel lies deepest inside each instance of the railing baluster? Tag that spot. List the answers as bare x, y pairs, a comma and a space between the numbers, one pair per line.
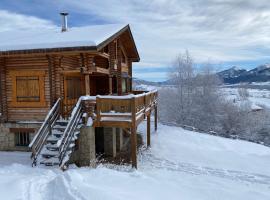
44, 131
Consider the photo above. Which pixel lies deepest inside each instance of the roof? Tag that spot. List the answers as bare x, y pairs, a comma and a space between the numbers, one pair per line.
87, 37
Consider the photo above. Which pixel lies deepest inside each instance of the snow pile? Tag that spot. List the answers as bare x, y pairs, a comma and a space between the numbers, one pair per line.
180, 165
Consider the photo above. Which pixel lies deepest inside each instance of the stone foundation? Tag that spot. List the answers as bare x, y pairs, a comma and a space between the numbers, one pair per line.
110, 142
7, 138
86, 153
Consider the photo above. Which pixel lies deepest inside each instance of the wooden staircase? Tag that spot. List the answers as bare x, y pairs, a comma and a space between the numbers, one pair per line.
55, 140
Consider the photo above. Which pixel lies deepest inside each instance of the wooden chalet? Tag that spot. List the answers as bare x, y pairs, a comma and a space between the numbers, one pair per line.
59, 89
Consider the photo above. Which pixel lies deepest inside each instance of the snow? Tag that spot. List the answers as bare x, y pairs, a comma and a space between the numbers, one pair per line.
87, 97
54, 38
257, 97
89, 122
180, 164
129, 96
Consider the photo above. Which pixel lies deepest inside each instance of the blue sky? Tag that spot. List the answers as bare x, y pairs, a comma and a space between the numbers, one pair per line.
223, 32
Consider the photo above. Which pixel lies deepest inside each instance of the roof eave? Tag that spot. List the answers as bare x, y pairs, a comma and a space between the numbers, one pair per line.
47, 50
117, 34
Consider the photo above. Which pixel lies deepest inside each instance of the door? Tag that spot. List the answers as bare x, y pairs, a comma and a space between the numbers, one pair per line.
73, 89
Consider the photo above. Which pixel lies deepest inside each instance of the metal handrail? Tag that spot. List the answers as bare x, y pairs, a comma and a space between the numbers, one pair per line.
45, 130
69, 133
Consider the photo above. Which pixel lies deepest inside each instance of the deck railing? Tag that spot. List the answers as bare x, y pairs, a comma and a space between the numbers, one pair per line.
124, 110
69, 134
44, 131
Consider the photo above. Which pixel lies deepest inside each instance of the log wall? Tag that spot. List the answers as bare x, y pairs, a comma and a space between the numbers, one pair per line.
32, 64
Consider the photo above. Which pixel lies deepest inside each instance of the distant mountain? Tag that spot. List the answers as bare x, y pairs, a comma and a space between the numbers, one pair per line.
235, 75
137, 81
232, 75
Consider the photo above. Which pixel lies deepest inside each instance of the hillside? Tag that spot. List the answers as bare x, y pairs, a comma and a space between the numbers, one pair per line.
180, 165
235, 75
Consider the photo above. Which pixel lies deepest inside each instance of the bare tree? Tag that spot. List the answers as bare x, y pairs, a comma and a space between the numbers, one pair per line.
197, 100
243, 91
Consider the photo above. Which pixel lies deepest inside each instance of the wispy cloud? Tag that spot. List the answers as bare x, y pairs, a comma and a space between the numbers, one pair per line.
223, 31
220, 30
11, 21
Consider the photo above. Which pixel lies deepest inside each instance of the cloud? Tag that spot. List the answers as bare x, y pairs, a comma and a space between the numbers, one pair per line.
223, 31
11, 20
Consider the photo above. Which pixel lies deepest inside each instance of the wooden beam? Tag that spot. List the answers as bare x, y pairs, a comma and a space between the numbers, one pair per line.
50, 79
110, 84
87, 84
133, 140
104, 55
133, 135
148, 131
61, 53
155, 117
102, 70
119, 68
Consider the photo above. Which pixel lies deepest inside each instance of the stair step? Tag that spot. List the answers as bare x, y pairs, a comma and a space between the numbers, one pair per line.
57, 133
50, 162
52, 139
61, 122
59, 127
49, 153
52, 147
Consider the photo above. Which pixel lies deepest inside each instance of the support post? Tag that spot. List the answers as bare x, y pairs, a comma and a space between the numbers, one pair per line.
148, 131
50, 79
119, 138
133, 134
86, 154
110, 85
110, 141
133, 147
87, 84
155, 117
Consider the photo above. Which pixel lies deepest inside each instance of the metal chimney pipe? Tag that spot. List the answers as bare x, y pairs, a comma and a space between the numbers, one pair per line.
64, 21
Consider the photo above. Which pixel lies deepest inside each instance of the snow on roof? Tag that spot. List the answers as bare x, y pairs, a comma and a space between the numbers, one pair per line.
90, 36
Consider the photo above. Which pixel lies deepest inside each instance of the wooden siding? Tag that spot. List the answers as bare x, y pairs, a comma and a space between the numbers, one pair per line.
54, 68
26, 64
3, 97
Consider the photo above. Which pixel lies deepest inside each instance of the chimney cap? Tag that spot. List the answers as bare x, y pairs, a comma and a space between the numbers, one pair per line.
64, 13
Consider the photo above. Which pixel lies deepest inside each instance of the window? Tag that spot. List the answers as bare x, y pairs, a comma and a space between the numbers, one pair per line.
22, 138
28, 88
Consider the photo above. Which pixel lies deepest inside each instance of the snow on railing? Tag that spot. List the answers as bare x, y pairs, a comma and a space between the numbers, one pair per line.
125, 108
44, 131
69, 133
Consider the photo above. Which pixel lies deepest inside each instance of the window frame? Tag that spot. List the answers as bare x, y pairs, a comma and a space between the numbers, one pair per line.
28, 73
23, 137
22, 132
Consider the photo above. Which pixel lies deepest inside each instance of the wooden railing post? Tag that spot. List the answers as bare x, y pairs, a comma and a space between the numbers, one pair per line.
98, 108
148, 130
133, 135
155, 100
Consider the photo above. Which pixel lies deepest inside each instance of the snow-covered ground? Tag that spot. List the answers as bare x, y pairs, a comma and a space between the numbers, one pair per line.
180, 165
258, 97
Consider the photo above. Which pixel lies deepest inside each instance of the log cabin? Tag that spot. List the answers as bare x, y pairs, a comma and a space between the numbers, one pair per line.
67, 94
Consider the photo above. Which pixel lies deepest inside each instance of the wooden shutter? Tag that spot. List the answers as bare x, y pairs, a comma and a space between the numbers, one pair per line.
27, 89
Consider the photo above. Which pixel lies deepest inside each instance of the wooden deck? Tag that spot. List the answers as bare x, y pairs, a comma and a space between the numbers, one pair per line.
125, 112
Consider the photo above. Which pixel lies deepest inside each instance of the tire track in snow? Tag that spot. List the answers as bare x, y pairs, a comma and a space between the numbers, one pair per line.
149, 161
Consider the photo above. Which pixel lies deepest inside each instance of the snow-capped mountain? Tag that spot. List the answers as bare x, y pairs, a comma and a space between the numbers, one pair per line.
235, 75
232, 72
